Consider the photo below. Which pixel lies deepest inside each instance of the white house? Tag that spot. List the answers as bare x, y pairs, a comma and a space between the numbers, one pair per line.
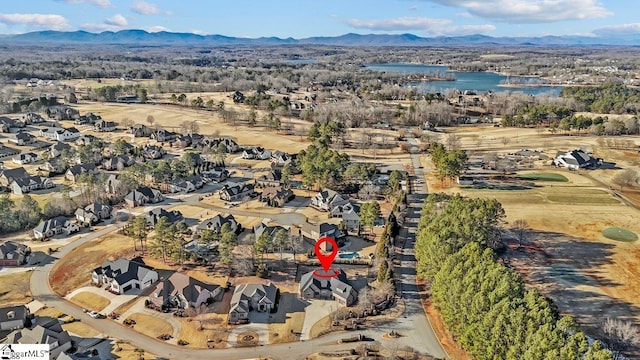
60, 134
51, 227
576, 159
26, 158
328, 199
123, 275
26, 185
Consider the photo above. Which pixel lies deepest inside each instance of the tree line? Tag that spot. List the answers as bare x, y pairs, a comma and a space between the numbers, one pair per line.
484, 304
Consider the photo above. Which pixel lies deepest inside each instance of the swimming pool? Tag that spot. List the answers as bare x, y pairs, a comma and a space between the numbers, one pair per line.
349, 255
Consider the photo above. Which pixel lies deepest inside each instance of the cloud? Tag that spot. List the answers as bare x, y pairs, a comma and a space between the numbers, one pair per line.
116, 20
156, 28
430, 26
530, 11
42, 21
99, 3
413, 8
620, 29
399, 24
145, 8
464, 15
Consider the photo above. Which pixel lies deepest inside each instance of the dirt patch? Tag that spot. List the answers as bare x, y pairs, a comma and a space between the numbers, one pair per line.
90, 301
81, 329
74, 270
14, 288
206, 331
151, 325
320, 326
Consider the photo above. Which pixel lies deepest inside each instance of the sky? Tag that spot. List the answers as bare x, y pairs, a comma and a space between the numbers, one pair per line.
306, 18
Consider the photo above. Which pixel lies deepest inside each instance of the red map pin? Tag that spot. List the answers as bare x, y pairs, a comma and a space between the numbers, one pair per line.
326, 260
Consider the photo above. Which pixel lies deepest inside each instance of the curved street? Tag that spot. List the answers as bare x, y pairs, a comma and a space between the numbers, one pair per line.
413, 325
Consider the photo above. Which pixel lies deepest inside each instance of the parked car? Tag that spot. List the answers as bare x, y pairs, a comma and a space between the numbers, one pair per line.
94, 314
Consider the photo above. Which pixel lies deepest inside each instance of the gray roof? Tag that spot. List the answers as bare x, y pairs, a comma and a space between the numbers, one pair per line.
338, 285
14, 173
123, 270
243, 294
216, 222
19, 312
181, 284
45, 331
31, 180
11, 247
46, 225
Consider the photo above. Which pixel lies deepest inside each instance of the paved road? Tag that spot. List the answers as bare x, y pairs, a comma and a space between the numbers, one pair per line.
414, 325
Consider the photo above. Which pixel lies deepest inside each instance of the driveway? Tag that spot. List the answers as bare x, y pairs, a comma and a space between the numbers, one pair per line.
259, 323
114, 300
316, 310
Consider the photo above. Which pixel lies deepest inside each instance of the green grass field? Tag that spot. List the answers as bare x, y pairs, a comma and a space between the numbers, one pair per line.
619, 234
543, 177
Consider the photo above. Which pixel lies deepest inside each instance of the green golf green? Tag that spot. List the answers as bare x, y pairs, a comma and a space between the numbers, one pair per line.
543, 177
619, 234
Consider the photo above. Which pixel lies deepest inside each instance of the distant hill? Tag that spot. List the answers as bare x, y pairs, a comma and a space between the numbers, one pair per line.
141, 37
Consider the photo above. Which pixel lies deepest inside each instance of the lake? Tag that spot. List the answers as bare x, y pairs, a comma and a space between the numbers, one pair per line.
476, 81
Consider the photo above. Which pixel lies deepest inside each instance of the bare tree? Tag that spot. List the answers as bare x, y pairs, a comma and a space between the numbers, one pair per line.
151, 120
622, 335
453, 142
628, 177
126, 122
368, 192
521, 229
505, 140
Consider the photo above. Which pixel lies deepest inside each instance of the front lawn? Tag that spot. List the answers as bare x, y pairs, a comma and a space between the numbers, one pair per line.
619, 234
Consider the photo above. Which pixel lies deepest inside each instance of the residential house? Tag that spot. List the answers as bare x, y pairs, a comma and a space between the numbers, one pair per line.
123, 275
54, 166
272, 178
23, 138
215, 224
26, 158
196, 180
153, 216
252, 297
60, 134
44, 330
276, 196
182, 186
270, 230
143, 195
183, 292
182, 141
28, 184
88, 119
93, 213
216, 174
350, 215
105, 126
55, 226
153, 152
117, 162
335, 288
13, 254
140, 130
14, 317
86, 140
328, 199
8, 175
576, 159
162, 135
58, 148
76, 171
281, 158
6, 124
257, 153
62, 112
237, 192
32, 118
314, 232
229, 144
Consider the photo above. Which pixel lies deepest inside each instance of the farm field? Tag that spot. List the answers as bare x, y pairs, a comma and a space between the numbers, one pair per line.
566, 255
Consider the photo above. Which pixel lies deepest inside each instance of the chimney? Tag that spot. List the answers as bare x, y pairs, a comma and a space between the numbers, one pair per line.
11, 315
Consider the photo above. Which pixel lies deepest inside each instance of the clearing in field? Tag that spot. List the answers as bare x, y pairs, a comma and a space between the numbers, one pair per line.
543, 176
90, 301
74, 270
14, 288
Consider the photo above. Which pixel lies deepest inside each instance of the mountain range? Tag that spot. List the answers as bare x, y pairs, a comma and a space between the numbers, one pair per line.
141, 37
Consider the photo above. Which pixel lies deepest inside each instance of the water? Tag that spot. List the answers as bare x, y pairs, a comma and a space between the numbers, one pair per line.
349, 255
475, 81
